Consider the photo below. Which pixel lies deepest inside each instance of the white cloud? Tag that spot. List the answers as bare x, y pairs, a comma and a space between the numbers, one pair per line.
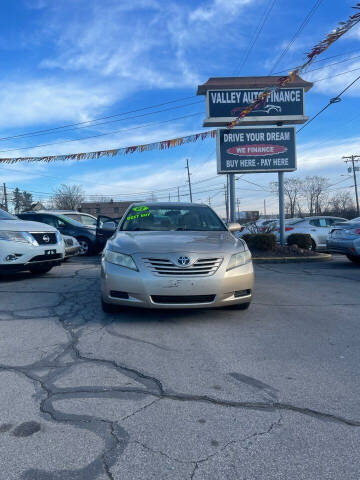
220, 10
45, 101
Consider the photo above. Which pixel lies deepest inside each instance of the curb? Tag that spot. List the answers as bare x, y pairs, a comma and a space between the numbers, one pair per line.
320, 257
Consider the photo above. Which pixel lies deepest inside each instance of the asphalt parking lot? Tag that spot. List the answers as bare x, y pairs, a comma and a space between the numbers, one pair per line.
268, 393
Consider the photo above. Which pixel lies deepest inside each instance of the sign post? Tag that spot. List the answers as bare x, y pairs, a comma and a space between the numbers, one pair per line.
255, 146
281, 207
232, 196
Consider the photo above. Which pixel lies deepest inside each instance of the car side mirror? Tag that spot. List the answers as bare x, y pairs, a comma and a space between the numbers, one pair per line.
234, 227
109, 226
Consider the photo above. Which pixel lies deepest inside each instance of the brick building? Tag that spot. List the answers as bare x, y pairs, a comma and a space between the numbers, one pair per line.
110, 209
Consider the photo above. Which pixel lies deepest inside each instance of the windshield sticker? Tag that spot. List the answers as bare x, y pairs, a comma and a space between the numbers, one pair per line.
138, 215
140, 209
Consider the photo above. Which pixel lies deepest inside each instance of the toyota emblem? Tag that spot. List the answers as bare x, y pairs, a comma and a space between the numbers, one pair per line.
46, 238
183, 261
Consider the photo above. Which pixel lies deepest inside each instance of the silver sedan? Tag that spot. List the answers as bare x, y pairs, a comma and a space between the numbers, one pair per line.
345, 239
175, 255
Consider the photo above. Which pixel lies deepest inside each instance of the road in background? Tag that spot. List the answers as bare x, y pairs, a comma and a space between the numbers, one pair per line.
270, 393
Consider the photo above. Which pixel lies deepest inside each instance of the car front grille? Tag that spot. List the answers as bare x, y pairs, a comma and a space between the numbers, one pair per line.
182, 299
45, 238
164, 266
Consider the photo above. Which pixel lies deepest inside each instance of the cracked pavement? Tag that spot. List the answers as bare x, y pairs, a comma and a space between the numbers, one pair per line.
269, 393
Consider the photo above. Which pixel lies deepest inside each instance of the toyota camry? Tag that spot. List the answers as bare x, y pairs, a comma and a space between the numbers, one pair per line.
175, 255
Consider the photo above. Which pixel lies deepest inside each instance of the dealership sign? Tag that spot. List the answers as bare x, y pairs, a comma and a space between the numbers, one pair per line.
251, 150
284, 105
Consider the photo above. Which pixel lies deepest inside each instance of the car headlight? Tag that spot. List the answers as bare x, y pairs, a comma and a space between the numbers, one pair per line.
20, 237
239, 259
120, 259
59, 238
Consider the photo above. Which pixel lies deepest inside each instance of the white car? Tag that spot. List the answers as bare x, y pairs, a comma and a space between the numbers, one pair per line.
29, 246
317, 227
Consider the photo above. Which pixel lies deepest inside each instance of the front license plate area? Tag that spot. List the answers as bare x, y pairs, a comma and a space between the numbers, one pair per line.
50, 252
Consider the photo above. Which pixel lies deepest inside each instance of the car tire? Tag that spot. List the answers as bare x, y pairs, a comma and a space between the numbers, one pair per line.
109, 307
313, 245
242, 306
85, 246
354, 259
40, 269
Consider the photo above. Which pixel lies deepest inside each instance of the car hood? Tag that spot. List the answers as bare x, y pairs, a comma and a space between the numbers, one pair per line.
25, 226
175, 242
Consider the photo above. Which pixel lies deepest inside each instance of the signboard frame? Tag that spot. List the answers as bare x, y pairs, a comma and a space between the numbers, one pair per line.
254, 120
237, 129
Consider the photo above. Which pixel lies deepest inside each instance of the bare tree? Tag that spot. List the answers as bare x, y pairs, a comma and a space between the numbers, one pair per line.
293, 188
341, 203
68, 197
314, 190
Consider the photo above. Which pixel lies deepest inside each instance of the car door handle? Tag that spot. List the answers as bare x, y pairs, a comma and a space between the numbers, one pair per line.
313, 230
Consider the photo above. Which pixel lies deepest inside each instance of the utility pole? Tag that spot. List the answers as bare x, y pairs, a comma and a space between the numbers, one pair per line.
188, 171
238, 207
178, 194
353, 159
209, 202
265, 207
5, 198
169, 197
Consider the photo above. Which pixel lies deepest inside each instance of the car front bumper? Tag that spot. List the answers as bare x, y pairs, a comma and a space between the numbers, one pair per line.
145, 289
72, 251
27, 255
344, 246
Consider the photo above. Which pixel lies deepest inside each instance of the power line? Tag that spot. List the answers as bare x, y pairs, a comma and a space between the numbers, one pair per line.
258, 30
321, 60
331, 101
296, 34
104, 134
96, 119
110, 121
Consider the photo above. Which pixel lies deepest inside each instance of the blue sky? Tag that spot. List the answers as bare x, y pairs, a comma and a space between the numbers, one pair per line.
76, 60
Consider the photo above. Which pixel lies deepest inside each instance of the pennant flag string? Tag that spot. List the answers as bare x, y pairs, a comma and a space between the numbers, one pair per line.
342, 28
163, 145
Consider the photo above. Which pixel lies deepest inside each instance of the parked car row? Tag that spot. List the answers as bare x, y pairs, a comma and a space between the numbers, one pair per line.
162, 255
331, 234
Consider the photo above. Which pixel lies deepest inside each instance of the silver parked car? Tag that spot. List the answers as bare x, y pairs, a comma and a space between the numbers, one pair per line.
345, 239
175, 255
72, 246
317, 227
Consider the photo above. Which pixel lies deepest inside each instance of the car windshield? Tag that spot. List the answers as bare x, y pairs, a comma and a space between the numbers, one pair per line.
6, 216
168, 218
84, 219
67, 219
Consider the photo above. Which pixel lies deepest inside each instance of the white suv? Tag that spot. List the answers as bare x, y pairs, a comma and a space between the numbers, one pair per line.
30, 246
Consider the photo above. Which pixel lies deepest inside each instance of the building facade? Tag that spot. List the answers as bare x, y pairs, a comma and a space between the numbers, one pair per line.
110, 209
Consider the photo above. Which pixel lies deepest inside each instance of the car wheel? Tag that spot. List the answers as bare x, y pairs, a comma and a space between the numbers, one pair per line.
109, 307
40, 268
354, 259
85, 246
313, 245
242, 306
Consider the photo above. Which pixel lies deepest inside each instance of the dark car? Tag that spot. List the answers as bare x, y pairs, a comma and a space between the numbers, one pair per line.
91, 238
